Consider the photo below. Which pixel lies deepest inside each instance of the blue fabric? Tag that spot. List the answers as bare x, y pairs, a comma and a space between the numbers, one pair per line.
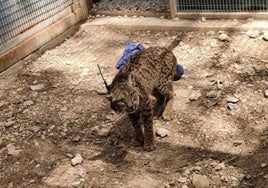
130, 50
180, 69
133, 48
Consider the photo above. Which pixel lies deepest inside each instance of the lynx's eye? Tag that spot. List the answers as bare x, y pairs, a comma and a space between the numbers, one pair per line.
120, 102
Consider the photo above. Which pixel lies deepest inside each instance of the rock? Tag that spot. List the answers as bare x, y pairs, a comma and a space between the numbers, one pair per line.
200, 181
266, 176
11, 150
184, 186
220, 166
195, 96
266, 93
9, 123
238, 142
252, 34
232, 99
224, 37
78, 159
64, 109
211, 102
263, 165
37, 87
10, 185
265, 36
182, 180
212, 94
161, 132
77, 138
211, 32
231, 106
28, 103
69, 155
203, 19
102, 131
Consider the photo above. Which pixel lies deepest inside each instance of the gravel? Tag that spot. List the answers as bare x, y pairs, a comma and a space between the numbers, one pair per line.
130, 5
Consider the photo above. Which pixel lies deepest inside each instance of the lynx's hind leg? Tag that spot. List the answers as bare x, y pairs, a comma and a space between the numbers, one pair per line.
167, 91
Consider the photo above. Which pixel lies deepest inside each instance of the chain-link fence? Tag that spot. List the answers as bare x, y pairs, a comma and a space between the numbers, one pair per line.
222, 5
16, 16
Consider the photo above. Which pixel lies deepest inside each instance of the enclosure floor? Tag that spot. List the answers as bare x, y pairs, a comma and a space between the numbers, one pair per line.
49, 112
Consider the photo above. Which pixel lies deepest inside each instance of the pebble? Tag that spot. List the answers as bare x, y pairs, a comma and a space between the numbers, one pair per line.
212, 94
263, 165
28, 103
265, 36
9, 123
37, 87
224, 37
200, 181
103, 132
231, 106
184, 186
266, 93
161, 132
252, 34
1, 104
232, 99
77, 138
195, 96
203, 19
210, 103
78, 159
11, 150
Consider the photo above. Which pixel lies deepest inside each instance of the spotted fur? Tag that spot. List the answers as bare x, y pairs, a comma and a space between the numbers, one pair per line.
143, 89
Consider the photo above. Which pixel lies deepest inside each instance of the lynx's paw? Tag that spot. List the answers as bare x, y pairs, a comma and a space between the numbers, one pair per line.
149, 147
168, 116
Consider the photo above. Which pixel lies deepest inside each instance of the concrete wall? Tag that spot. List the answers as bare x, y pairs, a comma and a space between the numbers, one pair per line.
43, 35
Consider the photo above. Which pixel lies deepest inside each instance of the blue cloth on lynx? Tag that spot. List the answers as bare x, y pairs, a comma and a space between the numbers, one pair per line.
133, 48
130, 50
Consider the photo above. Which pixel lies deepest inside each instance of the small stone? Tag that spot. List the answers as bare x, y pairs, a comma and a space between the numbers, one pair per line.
232, 99
266, 176
210, 103
248, 177
197, 168
220, 166
182, 180
77, 138
252, 34
200, 181
212, 94
195, 96
265, 36
28, 103
9, 123
211, 32
203, 19
263, 165
69, 155
238, 142
11, 150
184, 186
37, 87
266, 93
103, 132
231, 106
78, 159
224, 37
161, 132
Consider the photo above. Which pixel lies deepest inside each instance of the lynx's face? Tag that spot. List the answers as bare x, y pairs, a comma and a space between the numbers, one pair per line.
124, 97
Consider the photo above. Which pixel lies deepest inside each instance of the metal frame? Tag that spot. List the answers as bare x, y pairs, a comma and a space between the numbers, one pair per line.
214, 14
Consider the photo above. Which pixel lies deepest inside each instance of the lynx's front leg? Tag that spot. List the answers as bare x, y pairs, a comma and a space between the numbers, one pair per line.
147, 117
135, 121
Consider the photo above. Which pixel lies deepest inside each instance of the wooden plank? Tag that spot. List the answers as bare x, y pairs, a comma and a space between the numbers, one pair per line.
31, 44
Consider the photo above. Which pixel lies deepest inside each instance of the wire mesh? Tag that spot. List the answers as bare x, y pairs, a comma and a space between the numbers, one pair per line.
16, 16
222, 5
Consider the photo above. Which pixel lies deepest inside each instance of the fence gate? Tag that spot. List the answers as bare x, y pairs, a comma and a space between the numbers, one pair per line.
220, 8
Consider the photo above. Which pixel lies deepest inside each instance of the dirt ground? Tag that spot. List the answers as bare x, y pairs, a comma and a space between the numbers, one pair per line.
50, 112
